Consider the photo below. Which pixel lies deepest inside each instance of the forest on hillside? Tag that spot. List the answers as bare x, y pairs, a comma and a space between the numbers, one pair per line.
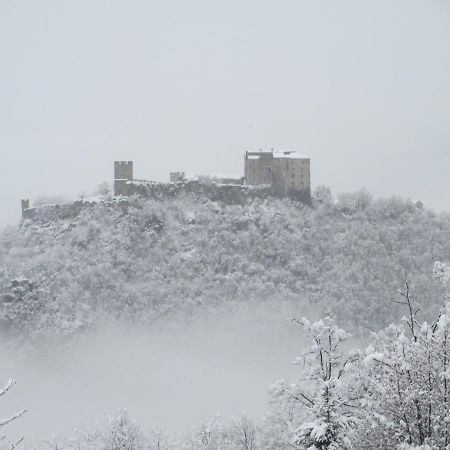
149, 259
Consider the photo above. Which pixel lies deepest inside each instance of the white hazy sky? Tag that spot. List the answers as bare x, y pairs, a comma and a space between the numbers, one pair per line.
363, 87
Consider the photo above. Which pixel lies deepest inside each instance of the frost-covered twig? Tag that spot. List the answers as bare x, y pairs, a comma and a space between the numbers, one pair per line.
17, 443
4, 422
8, 386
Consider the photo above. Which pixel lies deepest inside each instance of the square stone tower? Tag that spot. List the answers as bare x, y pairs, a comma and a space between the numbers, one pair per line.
25, 206
285, 172
123, 173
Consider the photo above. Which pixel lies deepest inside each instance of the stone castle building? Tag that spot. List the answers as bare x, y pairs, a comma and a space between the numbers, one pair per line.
286, 172
277, 173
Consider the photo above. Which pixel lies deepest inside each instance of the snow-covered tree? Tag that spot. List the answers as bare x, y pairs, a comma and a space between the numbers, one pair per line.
407, 399
322, 195
159, 440
209, 435
241, 434
119, 433
441, 272
319, 411
104, 190
244, 433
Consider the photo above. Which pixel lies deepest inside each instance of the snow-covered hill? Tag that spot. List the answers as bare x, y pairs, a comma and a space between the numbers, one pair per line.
144, 259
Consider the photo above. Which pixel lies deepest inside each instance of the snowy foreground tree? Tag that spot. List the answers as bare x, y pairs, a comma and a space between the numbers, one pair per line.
5, 421
396, 396
241, 434
119, 433
319, 411
407, 399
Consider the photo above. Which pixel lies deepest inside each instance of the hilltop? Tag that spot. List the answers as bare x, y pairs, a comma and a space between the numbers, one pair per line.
142, 259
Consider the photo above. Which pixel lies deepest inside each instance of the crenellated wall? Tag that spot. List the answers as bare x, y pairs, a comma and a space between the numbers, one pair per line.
230, 194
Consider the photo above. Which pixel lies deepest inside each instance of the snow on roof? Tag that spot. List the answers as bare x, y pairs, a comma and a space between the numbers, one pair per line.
289, 154
286, 154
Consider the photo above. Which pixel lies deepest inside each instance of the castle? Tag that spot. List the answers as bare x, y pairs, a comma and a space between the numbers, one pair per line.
273, 173
285, 173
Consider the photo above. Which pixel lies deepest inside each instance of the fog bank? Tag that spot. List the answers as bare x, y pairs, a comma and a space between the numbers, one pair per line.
172, 375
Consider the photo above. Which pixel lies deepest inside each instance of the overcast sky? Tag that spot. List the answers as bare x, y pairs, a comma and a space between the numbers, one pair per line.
362, 87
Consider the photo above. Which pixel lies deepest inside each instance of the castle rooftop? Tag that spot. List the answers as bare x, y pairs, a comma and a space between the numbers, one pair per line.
287, 154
